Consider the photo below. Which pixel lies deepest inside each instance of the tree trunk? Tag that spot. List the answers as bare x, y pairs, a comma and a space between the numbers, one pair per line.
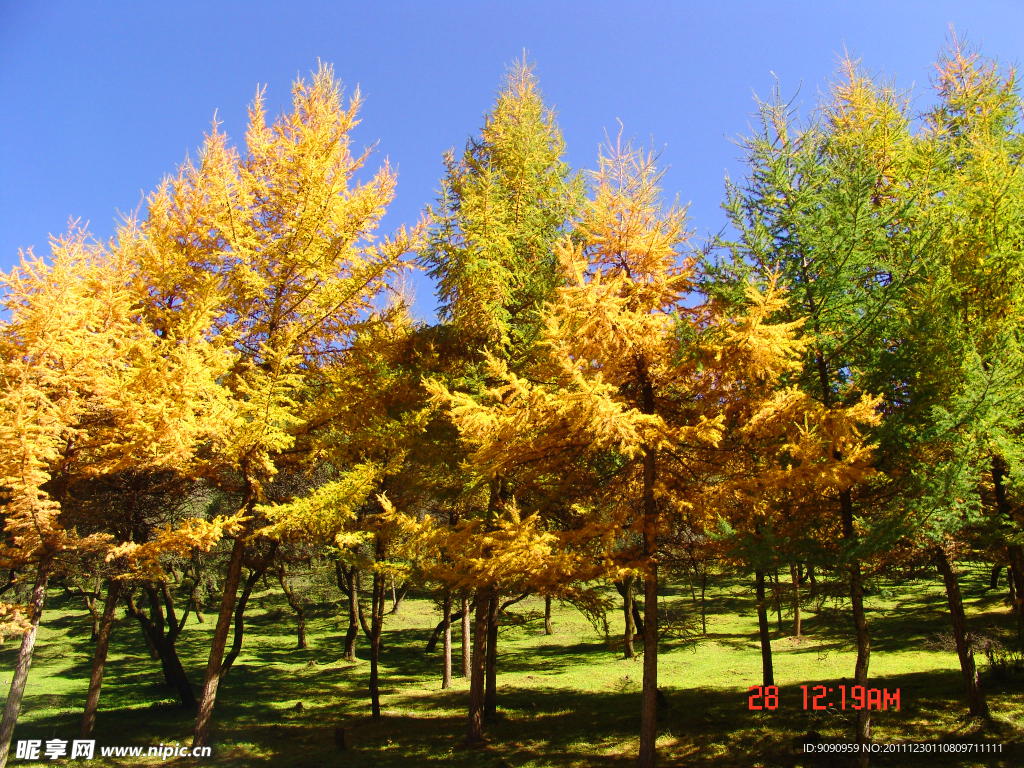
90, 604
162, 631
649, 706
174, 673
236, 643
993, 579
99, 659
625, 588
296, 605
860, 676
777, 598
466, 655
548, 629
475, 735
154, 654
196, 582
1015, 551
703, 603
376, 619
767, 673
401, 596
975, 697
794, 576
352, 577
638, 619
201, 737
12, 574
362, 619
1016, 580
446, 667
435, 636
491, 688
12, 707
301, 643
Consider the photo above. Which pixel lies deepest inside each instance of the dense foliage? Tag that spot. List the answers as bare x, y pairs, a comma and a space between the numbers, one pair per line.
233, 387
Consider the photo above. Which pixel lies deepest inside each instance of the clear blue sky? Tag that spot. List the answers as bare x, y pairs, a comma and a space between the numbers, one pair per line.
99, 100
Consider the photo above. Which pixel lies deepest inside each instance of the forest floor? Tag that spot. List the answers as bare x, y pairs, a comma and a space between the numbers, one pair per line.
568, 699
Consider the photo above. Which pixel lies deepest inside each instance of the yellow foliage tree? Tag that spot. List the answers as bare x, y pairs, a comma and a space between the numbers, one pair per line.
283, 240
629, 367
89, 389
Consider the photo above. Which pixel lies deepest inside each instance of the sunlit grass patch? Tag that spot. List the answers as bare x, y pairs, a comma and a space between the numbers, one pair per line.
563, 700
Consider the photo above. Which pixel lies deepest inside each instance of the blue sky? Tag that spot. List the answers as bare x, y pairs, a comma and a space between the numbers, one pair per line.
99, 100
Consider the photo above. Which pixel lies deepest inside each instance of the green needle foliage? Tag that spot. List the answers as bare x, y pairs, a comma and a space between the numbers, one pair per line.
502, 207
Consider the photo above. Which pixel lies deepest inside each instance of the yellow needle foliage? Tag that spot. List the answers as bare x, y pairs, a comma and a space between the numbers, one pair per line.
631, 374
14, 620
512, 552
728, 436
282, 242
89, 389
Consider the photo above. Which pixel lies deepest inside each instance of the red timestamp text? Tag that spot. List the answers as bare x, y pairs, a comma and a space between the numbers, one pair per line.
822, 697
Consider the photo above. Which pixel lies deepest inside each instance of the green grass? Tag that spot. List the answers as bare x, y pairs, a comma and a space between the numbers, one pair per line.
564, 700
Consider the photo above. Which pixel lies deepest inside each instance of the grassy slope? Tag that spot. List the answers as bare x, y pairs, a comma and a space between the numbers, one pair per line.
564, 700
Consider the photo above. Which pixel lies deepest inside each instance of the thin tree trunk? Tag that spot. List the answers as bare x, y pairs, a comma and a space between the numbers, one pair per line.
90, 603
435, 636
466, 654
208, 698
548, 629
362, 618
767, 673
703, 603
99, 660
863, 726
795, 578
22, 665
296, 605
154, 654
812, 592
401, 596
860, 676
491, 687
196, 571
1015, 551
1016, 580
352, 577
446, 668
475, 735
625, 588
236, 643
777, 598
11, 576
975, 696
993, 579
649, 696
376, 619
649, 706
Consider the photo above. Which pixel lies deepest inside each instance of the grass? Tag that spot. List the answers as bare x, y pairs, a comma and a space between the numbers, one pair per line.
564, 700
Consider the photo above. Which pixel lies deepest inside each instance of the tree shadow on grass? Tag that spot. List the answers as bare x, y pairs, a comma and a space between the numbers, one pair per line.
258, 723
703, 727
